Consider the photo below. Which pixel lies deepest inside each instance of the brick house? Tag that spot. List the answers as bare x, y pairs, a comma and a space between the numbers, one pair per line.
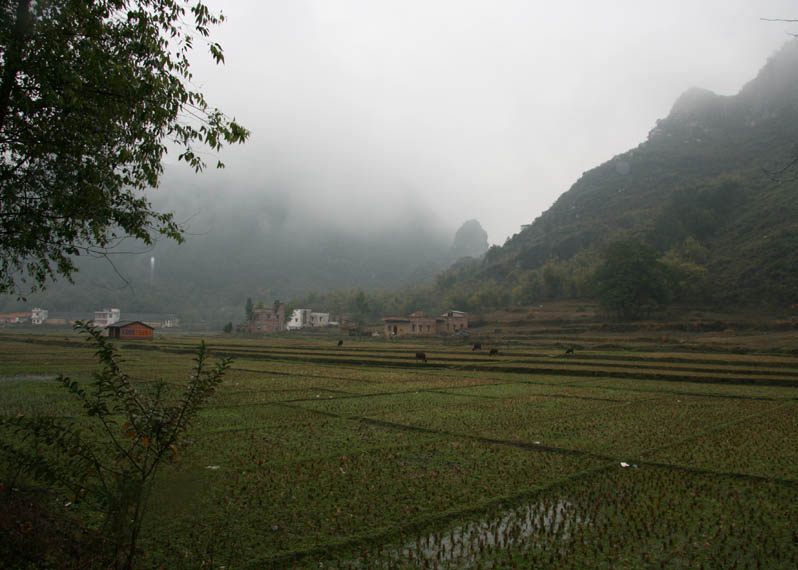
15, 318
267, 320
455, 321
419, 324
130, 330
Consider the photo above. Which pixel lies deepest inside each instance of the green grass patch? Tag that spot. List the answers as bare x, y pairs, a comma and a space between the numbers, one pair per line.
362, 457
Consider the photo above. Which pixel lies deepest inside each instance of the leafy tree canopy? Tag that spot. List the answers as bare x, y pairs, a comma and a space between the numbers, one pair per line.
91, 94
631, 281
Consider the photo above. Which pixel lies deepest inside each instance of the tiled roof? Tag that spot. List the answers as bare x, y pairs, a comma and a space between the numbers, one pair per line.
122, 324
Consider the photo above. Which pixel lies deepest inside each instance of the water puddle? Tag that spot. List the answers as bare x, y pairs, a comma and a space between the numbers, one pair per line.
467, 545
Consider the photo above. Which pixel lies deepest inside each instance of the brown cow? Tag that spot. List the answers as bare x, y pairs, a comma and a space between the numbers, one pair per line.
421, 356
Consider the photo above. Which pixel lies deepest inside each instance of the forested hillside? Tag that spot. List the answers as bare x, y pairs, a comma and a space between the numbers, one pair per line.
710, 199
713, 189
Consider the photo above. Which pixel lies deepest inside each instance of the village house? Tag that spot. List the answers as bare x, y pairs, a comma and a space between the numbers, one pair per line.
14, 318
101, 319
267, 320
299, 318
319, 319
38, 316
133, 330
455, 321
106, 317
303, 318
419, 324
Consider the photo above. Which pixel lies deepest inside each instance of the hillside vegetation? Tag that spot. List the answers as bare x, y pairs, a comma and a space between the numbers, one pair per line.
712, 195
713, 189
706, 208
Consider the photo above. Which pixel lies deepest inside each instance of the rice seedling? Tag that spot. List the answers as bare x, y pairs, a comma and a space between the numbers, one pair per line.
307, 457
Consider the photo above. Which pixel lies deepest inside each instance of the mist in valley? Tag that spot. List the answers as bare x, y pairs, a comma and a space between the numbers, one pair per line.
266, 244
379, 129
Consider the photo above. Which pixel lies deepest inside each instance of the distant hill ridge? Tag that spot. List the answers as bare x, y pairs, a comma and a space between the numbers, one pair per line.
716, 170
714, 188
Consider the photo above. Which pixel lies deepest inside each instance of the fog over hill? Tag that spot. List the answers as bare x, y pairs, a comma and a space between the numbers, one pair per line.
269, 243
378, 129
718, 171
485, 110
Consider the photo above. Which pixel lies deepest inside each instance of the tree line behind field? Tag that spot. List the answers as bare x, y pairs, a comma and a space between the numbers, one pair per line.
628, 278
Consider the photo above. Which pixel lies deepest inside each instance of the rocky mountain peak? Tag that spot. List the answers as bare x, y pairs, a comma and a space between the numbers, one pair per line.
469, 241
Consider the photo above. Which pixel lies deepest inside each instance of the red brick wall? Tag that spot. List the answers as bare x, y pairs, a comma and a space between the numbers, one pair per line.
135, 330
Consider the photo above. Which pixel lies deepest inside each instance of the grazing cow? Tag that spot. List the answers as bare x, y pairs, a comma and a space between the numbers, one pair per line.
421, 356
477, 346
494, 351
569, 351
340, 342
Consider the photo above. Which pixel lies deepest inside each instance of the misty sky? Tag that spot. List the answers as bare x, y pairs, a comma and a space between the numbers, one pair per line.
364, 111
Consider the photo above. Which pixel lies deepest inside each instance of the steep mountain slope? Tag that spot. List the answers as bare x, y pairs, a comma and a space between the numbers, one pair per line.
717, 169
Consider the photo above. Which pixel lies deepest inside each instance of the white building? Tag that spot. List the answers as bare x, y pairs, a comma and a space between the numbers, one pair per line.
302, 318
170, 321
299, 318
319, 319
106, 317
38, 316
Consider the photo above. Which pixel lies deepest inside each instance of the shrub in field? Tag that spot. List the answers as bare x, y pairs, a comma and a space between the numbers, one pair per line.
128, 434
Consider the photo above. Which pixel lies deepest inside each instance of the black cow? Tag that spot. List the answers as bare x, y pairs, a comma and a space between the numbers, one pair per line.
494, 351
340, 342
569, 351
421, 356
477, 346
